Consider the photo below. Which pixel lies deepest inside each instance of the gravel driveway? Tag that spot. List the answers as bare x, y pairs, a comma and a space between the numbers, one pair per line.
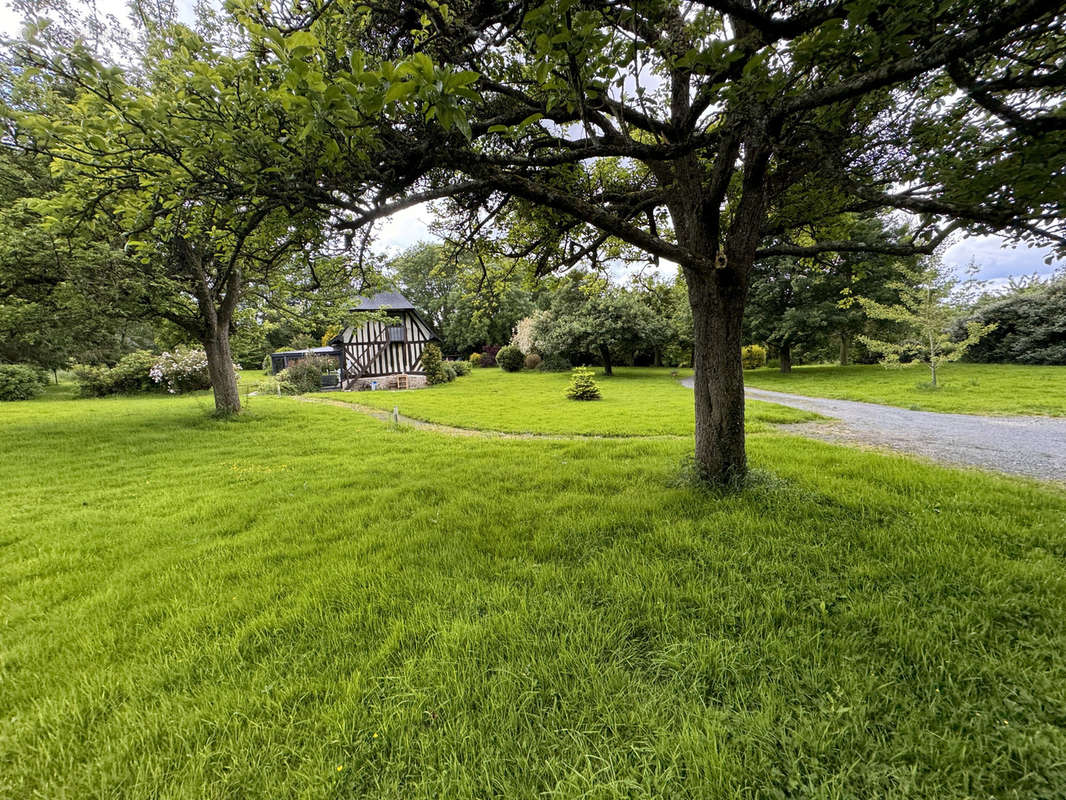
1031, 446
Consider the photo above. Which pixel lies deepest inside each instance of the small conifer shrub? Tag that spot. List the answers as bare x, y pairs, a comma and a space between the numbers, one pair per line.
582, 386
432, 363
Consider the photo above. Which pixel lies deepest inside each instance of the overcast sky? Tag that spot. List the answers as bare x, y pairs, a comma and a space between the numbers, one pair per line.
996, 262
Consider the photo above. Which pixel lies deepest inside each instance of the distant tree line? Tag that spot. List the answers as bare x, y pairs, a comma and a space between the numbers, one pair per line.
1030, 320
802, 309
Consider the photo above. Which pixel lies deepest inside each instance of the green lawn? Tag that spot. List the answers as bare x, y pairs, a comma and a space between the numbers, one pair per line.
305, 603
963, 388
635, 402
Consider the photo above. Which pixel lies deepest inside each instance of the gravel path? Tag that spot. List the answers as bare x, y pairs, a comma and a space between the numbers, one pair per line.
1031, 446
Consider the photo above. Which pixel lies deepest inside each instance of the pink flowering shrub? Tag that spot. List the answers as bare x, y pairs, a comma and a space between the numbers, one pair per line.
182, 370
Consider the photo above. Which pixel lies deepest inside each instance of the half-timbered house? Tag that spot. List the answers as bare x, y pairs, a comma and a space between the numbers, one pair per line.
386, 352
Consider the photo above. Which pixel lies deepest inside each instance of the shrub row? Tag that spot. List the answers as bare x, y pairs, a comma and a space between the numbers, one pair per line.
510, 358
554, 363
181, 370
21, 382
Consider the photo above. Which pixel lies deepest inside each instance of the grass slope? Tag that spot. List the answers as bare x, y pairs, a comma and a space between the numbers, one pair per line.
635, 402
963, 388
305, 603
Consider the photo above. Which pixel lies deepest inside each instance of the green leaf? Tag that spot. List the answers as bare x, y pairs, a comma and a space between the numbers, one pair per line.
532, 118
464, 126
398, 91
301, 39
464, 78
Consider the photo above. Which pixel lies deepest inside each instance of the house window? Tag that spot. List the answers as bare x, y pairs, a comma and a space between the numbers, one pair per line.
397, 333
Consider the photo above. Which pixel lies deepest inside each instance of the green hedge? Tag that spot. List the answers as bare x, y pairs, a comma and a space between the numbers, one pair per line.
21, 382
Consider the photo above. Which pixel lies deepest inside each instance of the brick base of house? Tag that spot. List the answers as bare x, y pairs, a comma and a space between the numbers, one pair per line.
389, 382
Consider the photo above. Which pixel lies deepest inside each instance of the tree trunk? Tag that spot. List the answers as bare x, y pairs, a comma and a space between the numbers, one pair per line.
785, 361
215, 307
220, 368
717, 316
845, 349
717, 291
605, 354
932, 357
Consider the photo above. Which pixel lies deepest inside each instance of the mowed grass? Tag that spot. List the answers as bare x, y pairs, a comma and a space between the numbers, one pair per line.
635, 402
962, 388
306, 603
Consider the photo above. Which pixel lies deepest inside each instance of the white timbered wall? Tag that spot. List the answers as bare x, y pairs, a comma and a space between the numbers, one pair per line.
395, 357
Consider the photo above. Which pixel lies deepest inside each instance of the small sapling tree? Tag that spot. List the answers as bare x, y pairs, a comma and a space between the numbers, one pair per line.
927, 318
582, 385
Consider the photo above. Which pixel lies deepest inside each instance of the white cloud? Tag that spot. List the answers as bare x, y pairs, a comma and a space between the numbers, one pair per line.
406, 228
995, 259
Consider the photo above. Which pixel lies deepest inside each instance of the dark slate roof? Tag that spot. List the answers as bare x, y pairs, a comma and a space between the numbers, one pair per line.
304, 352
391, 300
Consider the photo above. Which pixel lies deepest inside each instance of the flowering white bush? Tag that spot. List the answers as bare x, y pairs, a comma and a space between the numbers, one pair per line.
183, 370
523, 337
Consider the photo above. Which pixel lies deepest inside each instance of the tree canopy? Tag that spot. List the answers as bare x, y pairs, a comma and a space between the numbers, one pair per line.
607, 321
800, 304
714, 134
1030, 320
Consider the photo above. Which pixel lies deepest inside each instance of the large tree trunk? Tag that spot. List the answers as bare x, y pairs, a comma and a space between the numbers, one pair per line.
845, 349
605, 354
717, 292
717, 315
220, 368
215, 306
785, 359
